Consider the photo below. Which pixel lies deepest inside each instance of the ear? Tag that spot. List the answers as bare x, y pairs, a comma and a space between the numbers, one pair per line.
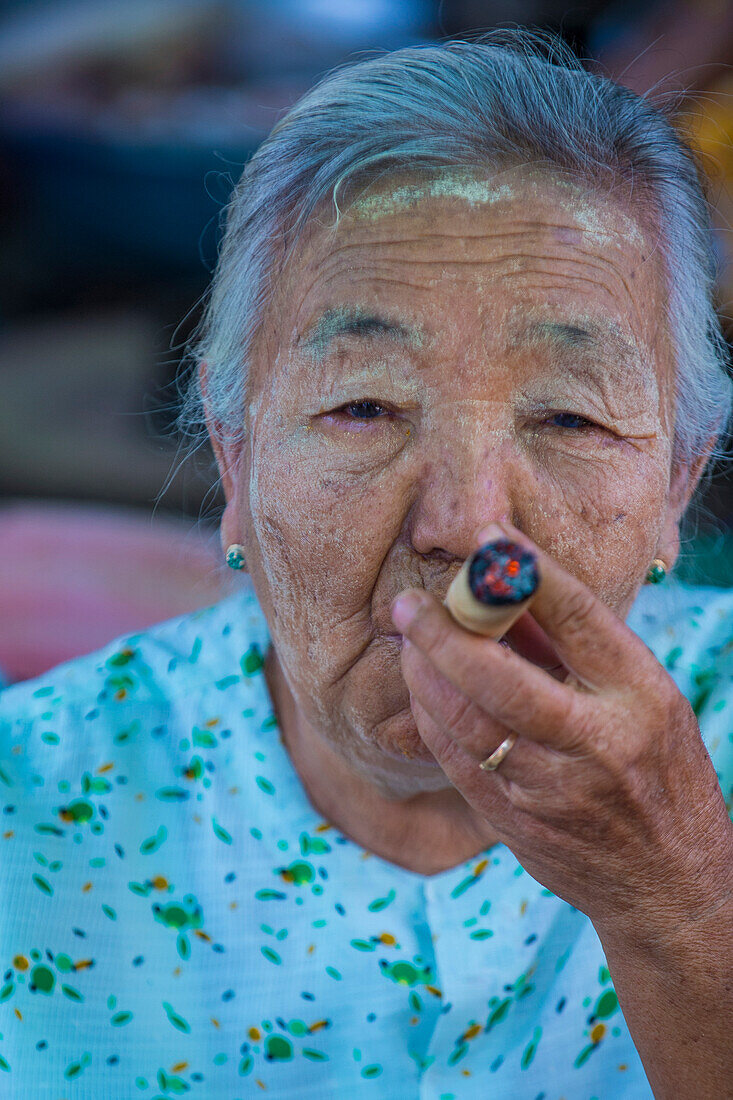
227, 457
683, 482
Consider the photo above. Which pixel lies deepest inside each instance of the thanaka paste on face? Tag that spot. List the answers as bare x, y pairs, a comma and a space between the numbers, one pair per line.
340, 525
472, 186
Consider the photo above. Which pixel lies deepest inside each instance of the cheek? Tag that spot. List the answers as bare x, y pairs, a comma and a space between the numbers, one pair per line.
322, 540
601, 521
320, 545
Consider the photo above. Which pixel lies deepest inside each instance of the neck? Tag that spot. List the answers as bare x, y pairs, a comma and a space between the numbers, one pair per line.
426, 833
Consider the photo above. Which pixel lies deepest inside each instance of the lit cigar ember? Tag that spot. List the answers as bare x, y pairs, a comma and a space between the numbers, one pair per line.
502, 572
493, 588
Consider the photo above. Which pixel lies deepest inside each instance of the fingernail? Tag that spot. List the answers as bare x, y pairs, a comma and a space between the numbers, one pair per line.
490, 533
404, 609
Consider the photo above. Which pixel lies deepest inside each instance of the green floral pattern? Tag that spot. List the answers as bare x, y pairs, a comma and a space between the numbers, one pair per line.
176, 918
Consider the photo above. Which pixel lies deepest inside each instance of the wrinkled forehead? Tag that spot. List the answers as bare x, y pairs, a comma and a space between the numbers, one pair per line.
472, 201
447, 222
471, 192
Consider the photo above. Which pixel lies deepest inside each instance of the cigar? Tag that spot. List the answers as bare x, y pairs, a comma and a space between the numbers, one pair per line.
493, 588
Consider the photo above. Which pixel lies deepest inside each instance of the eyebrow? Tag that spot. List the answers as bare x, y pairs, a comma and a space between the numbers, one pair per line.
593, 336
596, 336
354, 322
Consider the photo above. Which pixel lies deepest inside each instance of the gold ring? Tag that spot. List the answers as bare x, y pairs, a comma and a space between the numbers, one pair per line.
491, 763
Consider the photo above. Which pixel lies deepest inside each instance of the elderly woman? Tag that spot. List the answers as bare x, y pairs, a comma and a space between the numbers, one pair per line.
464, 293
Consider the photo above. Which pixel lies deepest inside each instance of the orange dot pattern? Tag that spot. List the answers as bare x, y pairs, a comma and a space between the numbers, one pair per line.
176, 918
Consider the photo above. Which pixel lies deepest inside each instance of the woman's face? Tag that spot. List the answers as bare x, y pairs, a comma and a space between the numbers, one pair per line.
507, 340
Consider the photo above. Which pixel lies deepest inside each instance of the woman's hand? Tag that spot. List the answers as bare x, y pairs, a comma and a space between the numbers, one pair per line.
608, 798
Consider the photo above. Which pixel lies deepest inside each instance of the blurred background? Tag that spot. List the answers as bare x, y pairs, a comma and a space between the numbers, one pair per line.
123, 127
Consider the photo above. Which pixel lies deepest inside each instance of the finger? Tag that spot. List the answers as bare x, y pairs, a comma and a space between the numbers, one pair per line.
534, 779
454, 712
513, 691
590, 639
485, 791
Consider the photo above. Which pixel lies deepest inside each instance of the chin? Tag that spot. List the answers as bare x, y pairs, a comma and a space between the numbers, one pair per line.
406, 767
398, 738
382, 720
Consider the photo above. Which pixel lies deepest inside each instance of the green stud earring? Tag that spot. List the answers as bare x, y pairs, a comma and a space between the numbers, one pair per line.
657, 572
235, 556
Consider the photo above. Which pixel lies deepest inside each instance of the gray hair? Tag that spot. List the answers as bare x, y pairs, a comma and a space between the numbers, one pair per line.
508, 98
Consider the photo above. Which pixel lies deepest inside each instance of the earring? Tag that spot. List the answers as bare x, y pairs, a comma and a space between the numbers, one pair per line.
235, 556
657, 572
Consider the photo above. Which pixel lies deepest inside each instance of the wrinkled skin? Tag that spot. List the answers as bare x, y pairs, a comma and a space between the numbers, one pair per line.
340, 514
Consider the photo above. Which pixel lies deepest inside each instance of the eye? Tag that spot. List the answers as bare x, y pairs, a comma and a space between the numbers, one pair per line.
370, 410
570, 421
361, 410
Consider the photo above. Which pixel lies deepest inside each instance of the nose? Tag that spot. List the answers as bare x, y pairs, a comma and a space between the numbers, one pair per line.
466, 481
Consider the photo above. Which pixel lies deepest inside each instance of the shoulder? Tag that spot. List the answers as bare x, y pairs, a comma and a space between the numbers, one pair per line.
690, 631
145, 672
684, 624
